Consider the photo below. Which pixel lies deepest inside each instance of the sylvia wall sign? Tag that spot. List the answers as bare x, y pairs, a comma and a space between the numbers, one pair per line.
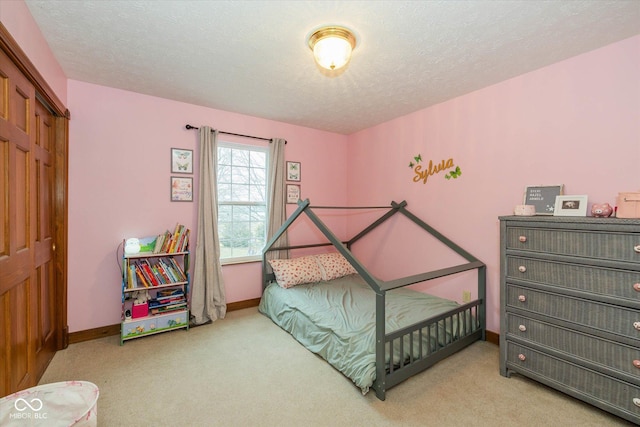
424, 170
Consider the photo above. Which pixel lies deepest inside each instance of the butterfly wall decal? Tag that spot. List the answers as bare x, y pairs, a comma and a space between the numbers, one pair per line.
454, 173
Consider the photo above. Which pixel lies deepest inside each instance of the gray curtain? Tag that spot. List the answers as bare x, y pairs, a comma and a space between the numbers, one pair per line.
277, 196
208, 302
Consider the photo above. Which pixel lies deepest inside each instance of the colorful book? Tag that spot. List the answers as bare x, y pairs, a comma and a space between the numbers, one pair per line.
147, 244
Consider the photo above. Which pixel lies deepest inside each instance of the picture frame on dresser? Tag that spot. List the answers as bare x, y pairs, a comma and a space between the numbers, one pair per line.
542, 197
570, 206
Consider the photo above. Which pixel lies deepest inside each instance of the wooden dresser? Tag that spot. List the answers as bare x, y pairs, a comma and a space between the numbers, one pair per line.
570, 307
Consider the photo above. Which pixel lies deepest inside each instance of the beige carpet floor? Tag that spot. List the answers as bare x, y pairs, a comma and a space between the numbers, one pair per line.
245, 371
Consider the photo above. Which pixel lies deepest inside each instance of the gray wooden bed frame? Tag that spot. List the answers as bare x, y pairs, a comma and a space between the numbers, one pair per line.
472, 313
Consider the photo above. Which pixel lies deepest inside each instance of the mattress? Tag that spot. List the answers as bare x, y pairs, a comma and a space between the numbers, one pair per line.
336, 320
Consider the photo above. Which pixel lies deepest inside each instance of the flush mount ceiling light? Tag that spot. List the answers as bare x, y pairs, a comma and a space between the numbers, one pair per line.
332, 47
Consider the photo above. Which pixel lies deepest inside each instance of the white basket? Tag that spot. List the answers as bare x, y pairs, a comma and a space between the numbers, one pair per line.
68, 403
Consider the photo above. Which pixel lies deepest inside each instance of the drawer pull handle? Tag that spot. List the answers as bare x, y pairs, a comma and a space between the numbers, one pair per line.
522, 239
522, 357
636, 325
637, 248
522, 298
636, 363
636, 401
523, 328
522, 269
636, 287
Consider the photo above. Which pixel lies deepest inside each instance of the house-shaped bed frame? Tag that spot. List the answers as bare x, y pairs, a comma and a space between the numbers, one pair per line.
469, 319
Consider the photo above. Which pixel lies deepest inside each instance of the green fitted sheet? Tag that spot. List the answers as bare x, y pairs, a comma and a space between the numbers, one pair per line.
336, 320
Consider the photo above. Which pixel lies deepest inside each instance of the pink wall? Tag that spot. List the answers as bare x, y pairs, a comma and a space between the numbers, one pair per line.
575, 123
119, 171
15, 16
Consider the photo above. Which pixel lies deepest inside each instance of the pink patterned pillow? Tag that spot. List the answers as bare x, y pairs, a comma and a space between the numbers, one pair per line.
334, 265
296, 271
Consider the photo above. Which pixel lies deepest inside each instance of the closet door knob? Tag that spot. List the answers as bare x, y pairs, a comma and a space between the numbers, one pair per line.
636, 363
522, 269
522, 239
522, 298
522, 357
636, 325
636, 287
523, 328
637, 248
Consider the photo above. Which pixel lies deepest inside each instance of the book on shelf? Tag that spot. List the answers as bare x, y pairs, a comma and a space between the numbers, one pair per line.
146, 267
141, 279
168, 242
164, 293
147, 244
168, 270
159, 243
155, 304
167, 298
148, 273
163, 274
166, 310
132, 277
165, 305
178, 270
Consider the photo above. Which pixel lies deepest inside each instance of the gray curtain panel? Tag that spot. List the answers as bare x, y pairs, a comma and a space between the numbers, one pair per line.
277, 196
208, 301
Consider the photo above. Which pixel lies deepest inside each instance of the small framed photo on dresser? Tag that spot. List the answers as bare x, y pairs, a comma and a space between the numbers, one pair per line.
571, 206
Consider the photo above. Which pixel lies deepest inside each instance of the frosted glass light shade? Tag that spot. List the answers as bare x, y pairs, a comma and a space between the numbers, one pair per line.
332, 47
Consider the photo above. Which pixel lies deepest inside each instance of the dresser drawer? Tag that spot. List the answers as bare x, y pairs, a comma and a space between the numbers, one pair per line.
596, 280
608, 354
598, 388
596, 316
588, 244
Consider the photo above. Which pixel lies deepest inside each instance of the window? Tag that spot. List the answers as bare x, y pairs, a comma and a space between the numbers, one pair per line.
242, 201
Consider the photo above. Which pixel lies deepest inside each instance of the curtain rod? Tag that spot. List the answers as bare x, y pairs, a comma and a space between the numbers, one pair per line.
235, 134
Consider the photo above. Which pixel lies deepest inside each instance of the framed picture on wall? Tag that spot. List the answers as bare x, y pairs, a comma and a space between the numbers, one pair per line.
293, 193
181, 160
181, 189
293, 171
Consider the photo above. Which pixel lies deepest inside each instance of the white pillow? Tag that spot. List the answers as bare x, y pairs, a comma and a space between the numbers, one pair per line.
334, 265
296, 271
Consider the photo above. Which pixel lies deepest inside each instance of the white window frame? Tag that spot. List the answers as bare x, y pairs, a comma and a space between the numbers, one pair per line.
265, 150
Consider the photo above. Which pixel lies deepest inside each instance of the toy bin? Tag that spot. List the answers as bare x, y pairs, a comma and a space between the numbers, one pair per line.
68, 403
628, 205
153, 324
139, 310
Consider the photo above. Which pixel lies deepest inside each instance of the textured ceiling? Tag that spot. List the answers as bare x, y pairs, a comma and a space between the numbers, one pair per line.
251, 57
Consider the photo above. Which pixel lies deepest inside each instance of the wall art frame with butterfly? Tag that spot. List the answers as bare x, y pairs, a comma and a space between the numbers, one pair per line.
181, 160
294, 171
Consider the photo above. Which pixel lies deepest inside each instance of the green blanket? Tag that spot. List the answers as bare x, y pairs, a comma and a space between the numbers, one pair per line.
337, 321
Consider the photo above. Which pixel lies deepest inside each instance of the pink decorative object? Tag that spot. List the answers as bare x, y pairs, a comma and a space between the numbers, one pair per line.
601, 210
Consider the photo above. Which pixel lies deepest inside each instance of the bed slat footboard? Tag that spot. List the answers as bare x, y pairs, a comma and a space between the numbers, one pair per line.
415, 348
